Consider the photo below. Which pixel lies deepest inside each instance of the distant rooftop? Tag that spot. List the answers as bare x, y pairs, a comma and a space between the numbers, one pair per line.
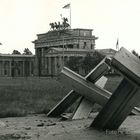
15, 55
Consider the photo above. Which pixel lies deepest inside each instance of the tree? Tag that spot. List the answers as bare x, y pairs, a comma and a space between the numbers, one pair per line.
16, 52
90, 62
87, 63
74, 63
27, 52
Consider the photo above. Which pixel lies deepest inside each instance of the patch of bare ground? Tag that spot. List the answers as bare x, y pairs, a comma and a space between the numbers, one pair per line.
40, 127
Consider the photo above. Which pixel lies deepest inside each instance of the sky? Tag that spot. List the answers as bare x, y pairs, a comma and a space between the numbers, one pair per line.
21, 20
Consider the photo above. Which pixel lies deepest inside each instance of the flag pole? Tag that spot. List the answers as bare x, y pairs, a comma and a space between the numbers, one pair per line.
117, 44
70, 15
68, 6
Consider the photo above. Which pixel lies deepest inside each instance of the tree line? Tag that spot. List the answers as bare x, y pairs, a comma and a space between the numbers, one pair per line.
25, 52
87, 63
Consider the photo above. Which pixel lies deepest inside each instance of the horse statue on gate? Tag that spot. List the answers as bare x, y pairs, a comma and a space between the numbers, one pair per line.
60, 26
56, 26
65, 23
52, 26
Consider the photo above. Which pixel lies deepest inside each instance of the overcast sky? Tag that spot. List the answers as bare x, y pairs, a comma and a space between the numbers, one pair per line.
21, 20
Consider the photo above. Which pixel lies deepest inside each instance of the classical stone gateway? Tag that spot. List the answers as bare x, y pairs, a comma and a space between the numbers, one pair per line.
54, 48
115, 106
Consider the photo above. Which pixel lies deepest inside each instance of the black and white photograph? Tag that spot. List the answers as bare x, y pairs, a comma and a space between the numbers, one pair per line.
69, 70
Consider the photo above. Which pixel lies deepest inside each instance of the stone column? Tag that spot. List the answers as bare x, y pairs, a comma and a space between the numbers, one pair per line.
52, 66
42, 60
61, 62
30, 68
23, 70
68, 58
55, 66
49, 65
10, 68
36, 63
2, 68
46, 65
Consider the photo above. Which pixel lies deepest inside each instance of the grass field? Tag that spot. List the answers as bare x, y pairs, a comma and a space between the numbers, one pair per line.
21, 96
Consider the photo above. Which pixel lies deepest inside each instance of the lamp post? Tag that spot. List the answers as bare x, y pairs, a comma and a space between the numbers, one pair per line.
63, 53
63, 32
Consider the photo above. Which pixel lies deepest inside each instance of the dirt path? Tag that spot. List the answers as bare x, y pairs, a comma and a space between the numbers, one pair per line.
39, 127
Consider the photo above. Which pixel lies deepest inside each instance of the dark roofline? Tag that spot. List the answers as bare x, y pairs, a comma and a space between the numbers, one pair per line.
83, 29
68, 29
16, 55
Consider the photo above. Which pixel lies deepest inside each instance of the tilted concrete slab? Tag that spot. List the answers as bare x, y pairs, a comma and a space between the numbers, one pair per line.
93, 76
87, 89
69, 99
118, 107
127, 64
85, 107
126, 96
64, 104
